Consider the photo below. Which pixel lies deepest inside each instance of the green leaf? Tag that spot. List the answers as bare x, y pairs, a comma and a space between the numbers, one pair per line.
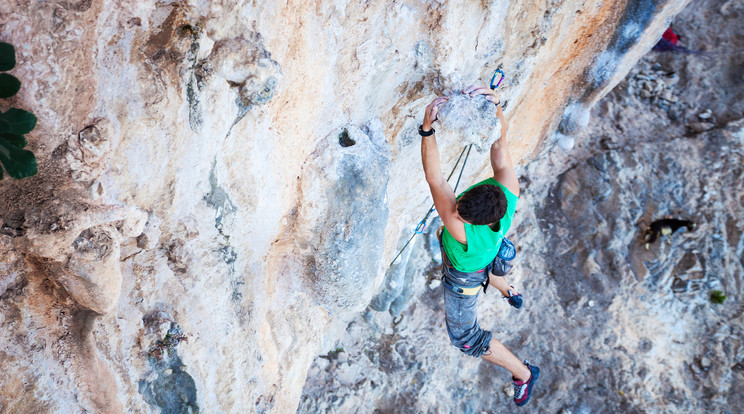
717, 297
7, 56
19, 163
17, 121
15, 139
9, 85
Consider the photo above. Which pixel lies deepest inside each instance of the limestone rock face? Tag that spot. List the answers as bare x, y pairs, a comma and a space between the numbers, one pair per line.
342, 215
222, 183
598, 304
246, 64
672, 279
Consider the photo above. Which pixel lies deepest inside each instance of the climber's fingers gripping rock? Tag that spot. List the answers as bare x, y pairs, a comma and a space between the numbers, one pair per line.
431, 112
490, 94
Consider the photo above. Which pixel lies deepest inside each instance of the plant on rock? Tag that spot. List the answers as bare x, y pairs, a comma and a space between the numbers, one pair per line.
717, 297
14, 123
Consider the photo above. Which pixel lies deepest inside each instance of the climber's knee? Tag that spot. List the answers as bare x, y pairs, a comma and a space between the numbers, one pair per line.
475, 344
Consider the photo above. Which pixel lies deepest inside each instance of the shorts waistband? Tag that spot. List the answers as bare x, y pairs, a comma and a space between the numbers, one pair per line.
472, 291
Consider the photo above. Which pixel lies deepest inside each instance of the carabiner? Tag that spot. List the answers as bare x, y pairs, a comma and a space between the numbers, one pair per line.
421, 227
494, 78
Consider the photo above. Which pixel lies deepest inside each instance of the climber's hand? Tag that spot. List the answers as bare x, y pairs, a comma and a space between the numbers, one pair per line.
431, 112
490, 94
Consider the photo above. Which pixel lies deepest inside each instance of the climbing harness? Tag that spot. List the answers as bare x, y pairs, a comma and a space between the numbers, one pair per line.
467, 291
421, 226
494, 78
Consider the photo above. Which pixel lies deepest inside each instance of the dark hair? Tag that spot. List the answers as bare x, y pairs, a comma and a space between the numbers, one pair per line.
484, 204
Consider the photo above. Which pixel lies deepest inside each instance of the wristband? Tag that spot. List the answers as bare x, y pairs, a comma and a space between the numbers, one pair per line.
425, 133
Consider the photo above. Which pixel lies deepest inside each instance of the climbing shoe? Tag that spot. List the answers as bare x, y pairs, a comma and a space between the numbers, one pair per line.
514, 299
523, 389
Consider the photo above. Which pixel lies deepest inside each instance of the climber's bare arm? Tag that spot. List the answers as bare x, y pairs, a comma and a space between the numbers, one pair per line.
501, 162
441, 192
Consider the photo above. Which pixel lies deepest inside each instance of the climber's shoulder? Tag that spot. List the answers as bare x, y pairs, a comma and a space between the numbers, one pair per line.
446, 205
455, 227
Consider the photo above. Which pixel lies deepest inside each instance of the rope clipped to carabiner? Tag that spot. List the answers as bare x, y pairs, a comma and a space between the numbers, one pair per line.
422, 224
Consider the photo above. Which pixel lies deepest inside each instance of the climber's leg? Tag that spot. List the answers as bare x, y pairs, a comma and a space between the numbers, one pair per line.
501, 266
460, 309
498, 354
510, 294
462, 323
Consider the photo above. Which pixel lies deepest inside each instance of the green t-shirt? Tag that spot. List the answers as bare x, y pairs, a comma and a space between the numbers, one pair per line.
483, 243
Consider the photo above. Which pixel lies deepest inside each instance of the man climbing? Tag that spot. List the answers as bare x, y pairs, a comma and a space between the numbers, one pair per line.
669, 42
473, 245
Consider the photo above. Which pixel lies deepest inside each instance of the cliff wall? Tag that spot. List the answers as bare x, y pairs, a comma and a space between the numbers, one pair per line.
221, 182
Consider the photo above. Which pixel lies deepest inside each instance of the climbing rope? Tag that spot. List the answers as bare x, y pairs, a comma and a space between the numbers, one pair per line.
421, 226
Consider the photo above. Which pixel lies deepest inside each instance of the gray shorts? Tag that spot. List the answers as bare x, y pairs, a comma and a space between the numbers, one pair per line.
461, 310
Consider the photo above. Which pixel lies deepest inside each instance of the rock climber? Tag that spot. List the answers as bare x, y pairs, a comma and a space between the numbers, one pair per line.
474, 250
669, 42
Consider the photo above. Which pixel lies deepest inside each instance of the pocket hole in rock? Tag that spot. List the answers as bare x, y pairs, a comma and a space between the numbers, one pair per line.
344, 139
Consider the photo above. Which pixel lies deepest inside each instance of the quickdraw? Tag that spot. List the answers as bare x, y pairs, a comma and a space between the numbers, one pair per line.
422, 224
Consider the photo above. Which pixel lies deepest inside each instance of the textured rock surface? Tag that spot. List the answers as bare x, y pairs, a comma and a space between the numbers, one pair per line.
192, 158
342, 215
473, 119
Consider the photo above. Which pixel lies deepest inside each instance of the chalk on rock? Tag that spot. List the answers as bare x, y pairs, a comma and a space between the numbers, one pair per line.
565, 142
575, 118
473, 119
508, 390
245, 64
705, 114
